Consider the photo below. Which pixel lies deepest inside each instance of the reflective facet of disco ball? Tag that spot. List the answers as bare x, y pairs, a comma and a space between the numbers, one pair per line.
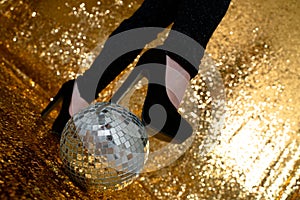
104, 147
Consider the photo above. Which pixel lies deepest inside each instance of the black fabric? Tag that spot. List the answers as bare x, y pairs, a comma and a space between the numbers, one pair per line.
196, 19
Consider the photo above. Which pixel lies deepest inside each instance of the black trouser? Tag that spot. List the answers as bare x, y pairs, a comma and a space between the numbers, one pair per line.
196, 19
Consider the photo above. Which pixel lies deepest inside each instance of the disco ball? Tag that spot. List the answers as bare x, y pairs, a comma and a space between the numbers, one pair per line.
104, 147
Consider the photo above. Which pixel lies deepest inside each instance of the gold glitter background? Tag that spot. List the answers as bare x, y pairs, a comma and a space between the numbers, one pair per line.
256, 49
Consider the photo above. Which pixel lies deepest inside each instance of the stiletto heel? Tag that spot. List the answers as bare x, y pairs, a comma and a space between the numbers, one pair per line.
134, 77
158, 113
64, 94
52, 104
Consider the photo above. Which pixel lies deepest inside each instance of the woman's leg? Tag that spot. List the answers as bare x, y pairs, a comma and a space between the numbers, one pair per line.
196, 20
152, 13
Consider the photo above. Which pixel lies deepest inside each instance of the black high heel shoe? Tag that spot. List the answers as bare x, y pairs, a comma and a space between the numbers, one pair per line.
158, 113
65, 95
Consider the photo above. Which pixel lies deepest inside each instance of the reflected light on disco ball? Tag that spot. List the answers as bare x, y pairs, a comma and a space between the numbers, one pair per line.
104, 147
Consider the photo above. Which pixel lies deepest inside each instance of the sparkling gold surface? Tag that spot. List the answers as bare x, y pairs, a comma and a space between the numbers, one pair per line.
256, 48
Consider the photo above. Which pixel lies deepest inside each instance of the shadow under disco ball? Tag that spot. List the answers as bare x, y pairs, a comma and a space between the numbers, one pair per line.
104, 147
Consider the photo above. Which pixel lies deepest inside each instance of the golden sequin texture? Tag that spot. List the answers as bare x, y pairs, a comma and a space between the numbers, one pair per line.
256, 50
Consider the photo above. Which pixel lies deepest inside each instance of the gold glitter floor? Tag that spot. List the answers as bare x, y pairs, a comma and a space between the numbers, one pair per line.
256, 49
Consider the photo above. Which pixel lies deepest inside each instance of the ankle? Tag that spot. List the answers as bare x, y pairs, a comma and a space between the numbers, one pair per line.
77, 102
177, 80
